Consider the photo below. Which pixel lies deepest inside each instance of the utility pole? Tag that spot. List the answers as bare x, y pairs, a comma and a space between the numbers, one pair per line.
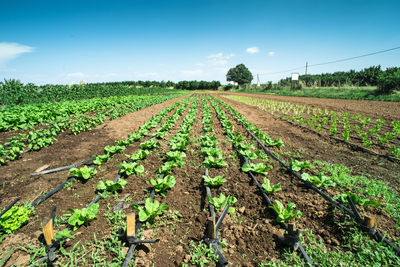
306, 67
258, 81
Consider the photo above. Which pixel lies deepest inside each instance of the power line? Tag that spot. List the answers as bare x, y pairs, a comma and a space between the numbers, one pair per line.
334, 61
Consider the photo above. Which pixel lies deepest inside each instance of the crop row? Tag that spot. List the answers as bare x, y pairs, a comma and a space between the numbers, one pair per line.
319, 182
37, 139
347, 127
10, 222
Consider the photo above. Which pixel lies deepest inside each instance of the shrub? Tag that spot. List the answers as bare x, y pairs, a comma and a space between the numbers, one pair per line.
389, 81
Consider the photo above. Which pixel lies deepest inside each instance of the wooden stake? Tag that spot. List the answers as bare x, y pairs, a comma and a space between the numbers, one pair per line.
48, 232
130, 224
211, 232
370, 221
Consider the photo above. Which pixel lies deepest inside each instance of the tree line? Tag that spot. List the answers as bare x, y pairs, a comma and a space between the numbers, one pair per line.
386, 80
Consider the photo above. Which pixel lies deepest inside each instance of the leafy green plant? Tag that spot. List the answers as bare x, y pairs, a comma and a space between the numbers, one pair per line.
82, 216
268, 189
285, 214
260, 168
112, 150
167, 167
215, 162
248, 154
220, 202
163, 184
214, 181
139, 155
395, 151
84, 173
320, 181
211, 151
202, 254
177, 157
150, 210
296, 165
110, 186
127, 168
365, 202
64, 234
150, 144
14, 218
100, 159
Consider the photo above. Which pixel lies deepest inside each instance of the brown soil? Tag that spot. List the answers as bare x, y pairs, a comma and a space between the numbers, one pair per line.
249, 233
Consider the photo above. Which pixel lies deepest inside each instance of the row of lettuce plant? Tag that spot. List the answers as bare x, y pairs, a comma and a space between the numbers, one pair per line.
342, 190
37, 139
357, 128
246, 151
341, 180
18, 216
79, 217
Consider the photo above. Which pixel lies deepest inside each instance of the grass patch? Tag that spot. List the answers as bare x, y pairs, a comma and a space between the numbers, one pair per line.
363, 186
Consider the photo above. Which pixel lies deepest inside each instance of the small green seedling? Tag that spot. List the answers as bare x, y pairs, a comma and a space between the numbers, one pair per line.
214, 181
268, 189
260, 168
84, 173
163, 184
285, 214
110, 186
82, 216
127, 169
151, 210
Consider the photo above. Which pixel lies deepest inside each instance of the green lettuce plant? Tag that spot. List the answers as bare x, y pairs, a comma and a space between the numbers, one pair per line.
285, 214
84, 173
82, 216
150, 210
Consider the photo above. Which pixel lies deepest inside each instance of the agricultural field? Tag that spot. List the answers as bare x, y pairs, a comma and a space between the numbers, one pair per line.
200, 179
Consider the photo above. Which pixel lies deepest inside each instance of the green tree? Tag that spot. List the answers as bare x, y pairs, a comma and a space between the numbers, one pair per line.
239, 74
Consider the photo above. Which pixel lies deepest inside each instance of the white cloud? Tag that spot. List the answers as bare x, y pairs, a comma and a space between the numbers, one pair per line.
191, 72
252, 50
271, 53
76, 74
219, 58
9, 51
200, 64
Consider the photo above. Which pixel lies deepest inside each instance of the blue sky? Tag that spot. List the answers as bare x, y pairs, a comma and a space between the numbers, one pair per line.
69, 41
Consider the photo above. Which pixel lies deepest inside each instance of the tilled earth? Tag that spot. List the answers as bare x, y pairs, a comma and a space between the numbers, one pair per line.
249, 232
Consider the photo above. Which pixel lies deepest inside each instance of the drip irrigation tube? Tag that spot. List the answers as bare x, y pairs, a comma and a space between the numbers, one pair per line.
371, 230
138, 225
266, 198
222, 261
64, 168
52, 192
10, 206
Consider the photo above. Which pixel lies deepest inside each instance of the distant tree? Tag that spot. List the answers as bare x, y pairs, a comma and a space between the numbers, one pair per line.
239, 74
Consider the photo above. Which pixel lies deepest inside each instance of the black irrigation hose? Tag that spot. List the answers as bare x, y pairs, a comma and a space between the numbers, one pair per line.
132, 247
266, 198
372, 231
10, 206
52, 192
222, 261
64, 168
208, 191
